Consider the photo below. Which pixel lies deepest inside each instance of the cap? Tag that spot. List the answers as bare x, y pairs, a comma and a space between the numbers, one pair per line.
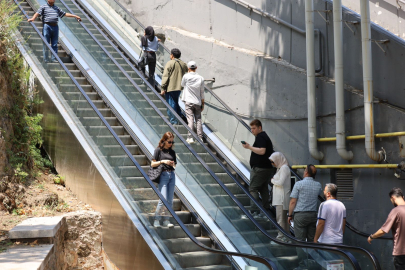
192, 64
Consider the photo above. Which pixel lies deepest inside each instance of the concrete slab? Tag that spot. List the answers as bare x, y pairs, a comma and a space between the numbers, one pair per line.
25, 257
36, 228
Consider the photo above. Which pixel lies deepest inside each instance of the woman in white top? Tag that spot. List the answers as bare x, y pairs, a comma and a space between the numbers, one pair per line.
281, 190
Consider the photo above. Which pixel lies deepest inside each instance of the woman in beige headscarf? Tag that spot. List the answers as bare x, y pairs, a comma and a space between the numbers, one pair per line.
281, 190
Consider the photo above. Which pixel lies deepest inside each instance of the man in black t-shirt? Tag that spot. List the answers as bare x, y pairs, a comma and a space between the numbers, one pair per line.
262, 170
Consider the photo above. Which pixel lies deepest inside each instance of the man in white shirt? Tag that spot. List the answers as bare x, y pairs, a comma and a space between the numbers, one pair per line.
331, 218
193, 98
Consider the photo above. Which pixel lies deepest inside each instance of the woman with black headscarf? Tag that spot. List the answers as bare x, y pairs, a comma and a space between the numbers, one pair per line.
150, 44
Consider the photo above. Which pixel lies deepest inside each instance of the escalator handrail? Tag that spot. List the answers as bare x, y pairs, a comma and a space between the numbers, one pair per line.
305, 244
260, 259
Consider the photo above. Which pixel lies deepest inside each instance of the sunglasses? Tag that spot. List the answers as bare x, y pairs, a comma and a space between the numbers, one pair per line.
170, 142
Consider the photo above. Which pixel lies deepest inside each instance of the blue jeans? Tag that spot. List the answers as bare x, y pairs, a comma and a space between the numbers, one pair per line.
51, 34
166, 187
173, 99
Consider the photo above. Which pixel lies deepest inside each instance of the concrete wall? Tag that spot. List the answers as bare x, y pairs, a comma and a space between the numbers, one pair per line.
259, 70
389, 14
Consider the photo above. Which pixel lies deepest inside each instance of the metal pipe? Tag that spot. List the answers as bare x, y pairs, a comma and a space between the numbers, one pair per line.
350, 166
368, 81
360, 137
310, 48
339, 86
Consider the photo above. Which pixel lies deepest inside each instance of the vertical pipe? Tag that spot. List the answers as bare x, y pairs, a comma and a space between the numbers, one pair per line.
339, 86
310, 50
368, 81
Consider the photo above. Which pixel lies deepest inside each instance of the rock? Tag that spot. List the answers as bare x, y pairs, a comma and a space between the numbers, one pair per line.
84, 250
4, 184
51, 199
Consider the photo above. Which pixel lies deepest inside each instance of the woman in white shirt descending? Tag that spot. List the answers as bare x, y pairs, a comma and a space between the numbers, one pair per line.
281, 191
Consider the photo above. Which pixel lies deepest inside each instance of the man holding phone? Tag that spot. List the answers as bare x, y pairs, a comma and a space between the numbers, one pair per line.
193, 98
262, 170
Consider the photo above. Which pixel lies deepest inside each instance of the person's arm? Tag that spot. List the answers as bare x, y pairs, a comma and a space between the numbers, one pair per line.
344, 225
378, 234
202, 94
165, 77
319, 229
73, 16
33, 17
256, 150
293, 203
280, 177
157, 163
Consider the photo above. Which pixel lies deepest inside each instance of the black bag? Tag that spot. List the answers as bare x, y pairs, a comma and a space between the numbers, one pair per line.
155, 172
143, 60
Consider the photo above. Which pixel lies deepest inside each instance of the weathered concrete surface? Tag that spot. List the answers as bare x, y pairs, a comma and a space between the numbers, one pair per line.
389, 14
26, 258
82, 245
41, 227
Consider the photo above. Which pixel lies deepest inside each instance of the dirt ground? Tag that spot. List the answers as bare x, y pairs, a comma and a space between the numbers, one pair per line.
40, 198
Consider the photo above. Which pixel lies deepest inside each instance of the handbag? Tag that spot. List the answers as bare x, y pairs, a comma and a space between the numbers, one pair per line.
155, 172
143, 60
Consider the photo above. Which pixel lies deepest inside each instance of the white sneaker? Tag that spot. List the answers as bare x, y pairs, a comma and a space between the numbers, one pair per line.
167, 224
156, 223
190, 140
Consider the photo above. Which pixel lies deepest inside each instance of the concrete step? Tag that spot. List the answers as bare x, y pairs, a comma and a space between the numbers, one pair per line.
25, 257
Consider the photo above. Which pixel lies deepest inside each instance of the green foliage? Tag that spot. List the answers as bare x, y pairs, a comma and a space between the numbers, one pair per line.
59, 180
23, 153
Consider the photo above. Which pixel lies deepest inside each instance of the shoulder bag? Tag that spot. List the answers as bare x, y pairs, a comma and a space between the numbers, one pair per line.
143, 60
155, 172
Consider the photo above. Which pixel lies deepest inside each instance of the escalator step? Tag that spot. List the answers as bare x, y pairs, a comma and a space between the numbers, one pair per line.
197, 258
180, 245
210, 267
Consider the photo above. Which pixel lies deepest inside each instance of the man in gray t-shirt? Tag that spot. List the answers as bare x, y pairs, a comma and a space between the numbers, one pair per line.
331, 218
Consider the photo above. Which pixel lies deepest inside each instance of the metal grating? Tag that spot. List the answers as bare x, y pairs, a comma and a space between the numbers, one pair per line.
344, 181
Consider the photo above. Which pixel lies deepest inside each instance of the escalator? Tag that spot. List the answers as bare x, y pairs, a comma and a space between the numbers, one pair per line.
215, 118
187, 245
246, 236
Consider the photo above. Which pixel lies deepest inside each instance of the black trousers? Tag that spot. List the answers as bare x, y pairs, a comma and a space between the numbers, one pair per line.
399, 262
152, 66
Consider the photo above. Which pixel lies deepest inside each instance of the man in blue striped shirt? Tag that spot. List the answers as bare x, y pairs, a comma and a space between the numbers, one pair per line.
50, 17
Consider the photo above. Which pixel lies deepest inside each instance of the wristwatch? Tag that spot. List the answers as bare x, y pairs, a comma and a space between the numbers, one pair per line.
371, 236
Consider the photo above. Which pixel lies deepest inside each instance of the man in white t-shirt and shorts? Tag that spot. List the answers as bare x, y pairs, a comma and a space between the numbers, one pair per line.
331, 218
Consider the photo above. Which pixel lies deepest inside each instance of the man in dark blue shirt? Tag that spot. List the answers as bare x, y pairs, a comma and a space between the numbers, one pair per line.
50, 17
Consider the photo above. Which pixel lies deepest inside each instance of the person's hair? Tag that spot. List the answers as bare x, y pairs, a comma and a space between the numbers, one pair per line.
311, 170
397, 192
165, 137
193, 69
256, 122
332, 189
176, 53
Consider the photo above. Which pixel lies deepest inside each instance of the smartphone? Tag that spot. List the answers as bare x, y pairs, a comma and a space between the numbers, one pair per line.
243, 142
